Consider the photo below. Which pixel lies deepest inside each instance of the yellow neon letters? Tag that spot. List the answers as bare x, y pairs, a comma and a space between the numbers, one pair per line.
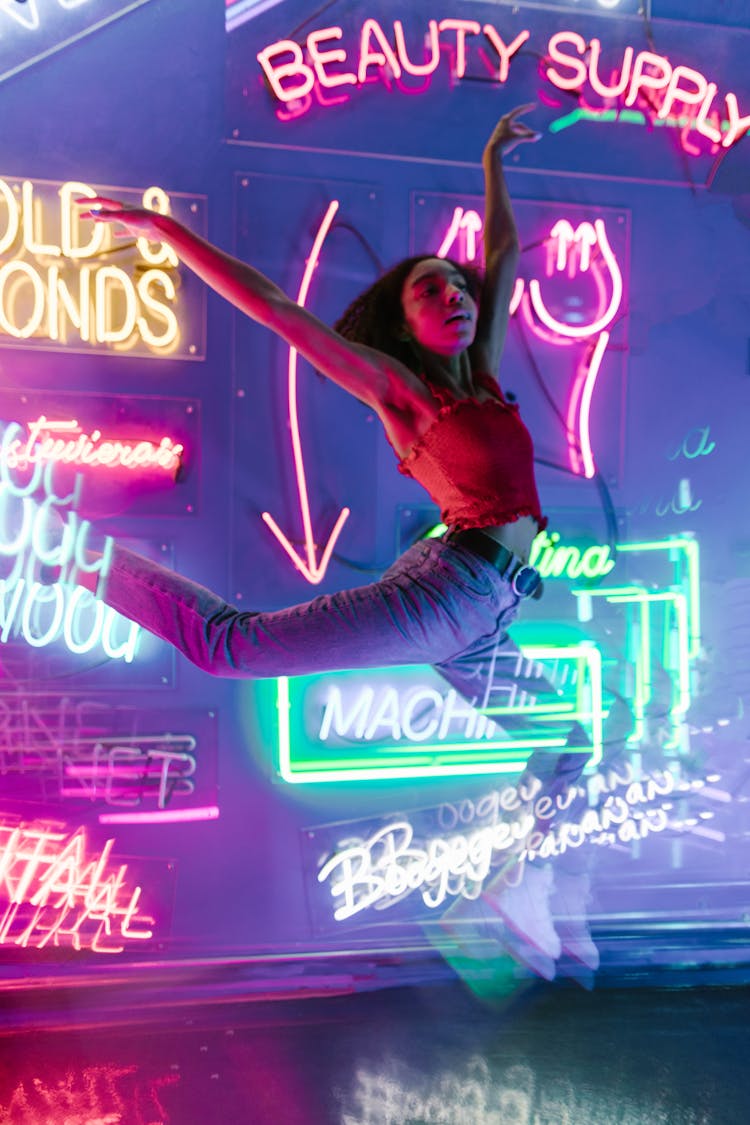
56, 285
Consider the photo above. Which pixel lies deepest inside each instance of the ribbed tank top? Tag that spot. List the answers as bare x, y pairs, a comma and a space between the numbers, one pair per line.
476, 461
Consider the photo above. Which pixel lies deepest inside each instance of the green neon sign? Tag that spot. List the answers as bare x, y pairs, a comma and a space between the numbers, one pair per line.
407, 723
554, 559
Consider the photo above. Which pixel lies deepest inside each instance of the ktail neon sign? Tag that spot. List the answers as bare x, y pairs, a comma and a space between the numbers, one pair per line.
60, 891
643, 76
58, 289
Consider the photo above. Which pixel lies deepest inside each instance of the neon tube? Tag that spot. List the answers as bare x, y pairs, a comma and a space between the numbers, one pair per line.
312, 570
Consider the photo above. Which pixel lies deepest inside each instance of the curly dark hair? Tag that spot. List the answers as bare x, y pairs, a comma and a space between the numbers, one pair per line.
376, 316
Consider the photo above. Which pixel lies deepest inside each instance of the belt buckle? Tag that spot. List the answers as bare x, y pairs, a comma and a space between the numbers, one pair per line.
525, 581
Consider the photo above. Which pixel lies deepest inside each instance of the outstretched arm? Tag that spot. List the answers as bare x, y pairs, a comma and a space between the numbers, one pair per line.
501, 246
362, 371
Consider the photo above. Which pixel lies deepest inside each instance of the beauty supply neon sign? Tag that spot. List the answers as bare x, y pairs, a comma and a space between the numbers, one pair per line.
571, 63
58, 890
58, 287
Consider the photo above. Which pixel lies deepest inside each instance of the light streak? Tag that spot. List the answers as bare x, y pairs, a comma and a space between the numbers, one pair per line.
162, 816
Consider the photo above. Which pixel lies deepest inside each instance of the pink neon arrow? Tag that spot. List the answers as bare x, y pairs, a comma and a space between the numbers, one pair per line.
310, 568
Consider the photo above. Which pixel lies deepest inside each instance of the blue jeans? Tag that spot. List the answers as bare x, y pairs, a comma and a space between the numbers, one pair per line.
438, 604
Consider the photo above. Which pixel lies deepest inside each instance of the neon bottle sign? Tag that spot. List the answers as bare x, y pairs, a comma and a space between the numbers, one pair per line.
570, 252
642, 75
59, 890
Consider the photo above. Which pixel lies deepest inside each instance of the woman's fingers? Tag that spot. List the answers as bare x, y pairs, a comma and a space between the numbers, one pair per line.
525, 108
102, 201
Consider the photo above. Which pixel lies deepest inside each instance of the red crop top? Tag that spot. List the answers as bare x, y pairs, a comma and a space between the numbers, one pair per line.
477, 461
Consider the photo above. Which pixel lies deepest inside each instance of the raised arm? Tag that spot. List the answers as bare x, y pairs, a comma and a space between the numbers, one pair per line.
362, 371
501, 246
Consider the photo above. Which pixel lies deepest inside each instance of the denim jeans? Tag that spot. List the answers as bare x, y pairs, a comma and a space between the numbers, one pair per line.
438, 604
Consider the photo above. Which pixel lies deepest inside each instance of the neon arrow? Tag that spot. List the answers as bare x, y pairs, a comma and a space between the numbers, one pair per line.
312, 570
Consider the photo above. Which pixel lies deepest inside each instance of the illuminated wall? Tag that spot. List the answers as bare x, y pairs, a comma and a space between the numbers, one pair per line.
149, 807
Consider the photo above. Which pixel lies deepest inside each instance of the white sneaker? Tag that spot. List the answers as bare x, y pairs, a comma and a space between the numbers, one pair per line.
525, 910
568, 904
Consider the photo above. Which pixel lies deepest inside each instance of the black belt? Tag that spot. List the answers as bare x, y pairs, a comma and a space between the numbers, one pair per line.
525, 580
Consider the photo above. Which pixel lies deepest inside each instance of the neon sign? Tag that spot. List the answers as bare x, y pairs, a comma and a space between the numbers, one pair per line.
44, 614
60, 891
58, 289
64, 442
677, 643
645, 74
99, 1095
405, 723
555, 560
312, 569
392, 863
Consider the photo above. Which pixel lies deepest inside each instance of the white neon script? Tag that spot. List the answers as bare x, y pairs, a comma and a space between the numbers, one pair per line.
65, 442
60, 891
41, 614
420, 715
54, 282
291, 78
312, 570
391, 864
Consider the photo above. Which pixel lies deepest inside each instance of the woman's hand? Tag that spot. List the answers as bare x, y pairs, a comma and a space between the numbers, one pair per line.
508, 132
138, 221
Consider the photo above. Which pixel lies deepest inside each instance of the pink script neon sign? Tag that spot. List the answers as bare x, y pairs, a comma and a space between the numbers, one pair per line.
571, 63
64, 441
57, 889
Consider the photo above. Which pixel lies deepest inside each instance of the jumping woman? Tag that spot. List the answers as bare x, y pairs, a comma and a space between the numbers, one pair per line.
421, 347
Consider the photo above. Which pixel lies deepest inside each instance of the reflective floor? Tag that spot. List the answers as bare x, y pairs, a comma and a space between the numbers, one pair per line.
536, 1055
